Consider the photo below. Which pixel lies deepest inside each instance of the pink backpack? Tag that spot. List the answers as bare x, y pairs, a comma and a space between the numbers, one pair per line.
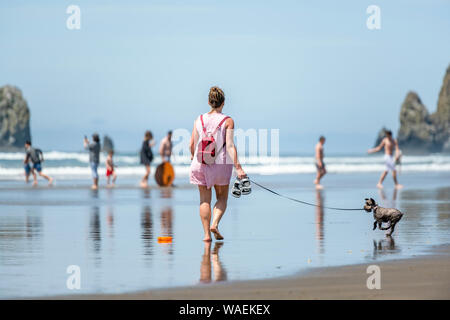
207, 150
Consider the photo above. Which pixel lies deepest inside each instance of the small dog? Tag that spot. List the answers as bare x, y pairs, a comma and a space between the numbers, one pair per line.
392, 216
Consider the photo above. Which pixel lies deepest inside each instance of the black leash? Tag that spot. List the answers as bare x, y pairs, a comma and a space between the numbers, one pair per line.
303, 202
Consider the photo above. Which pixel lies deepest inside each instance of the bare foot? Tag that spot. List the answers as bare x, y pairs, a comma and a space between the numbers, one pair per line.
35, 183
216, 233
50, 181
316, 181
319, 187
94, 187
144, 184
398, 186
207, 239
379, 186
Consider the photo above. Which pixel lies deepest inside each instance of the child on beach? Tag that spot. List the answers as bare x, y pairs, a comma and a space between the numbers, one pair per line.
218, 173
110, 169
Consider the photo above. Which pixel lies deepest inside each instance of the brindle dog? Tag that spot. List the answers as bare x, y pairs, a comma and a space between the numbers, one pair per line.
392, 216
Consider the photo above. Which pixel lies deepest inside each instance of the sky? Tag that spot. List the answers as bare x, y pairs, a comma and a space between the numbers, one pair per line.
308, 68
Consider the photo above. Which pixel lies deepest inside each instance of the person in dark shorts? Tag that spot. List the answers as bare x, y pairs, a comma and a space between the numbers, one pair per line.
320, 165
147, 156
35, 156
94, 157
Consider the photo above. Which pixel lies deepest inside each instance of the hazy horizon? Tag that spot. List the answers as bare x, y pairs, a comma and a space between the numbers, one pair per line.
307, 70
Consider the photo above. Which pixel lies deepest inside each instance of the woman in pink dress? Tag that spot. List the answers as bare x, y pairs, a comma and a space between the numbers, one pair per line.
213, 169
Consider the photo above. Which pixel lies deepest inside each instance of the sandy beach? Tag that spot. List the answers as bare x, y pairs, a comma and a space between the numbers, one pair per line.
291, 252
425, 277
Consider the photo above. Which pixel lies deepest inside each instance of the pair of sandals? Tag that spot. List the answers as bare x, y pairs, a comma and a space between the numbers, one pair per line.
241, 187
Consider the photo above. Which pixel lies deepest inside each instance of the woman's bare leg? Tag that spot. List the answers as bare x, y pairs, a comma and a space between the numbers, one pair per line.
205, 210
219, 209
144, 182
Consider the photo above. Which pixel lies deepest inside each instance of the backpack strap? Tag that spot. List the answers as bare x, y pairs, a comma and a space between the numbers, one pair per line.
220, 124
203, 125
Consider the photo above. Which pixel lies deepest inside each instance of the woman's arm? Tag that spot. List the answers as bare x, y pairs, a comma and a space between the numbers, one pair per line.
193, 142
231, 148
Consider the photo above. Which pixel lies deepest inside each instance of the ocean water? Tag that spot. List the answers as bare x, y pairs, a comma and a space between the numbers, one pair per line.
111, 234
75, 165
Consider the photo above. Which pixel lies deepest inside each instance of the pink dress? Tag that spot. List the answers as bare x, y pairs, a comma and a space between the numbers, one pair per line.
219, 172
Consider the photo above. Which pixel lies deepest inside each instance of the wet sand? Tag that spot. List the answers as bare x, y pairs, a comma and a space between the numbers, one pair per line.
111, 235
426, 277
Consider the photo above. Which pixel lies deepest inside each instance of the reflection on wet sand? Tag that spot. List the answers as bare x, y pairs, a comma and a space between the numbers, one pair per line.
33, 226
95, 232
110, 221
220, 273
166, 192
320, 236
388, 203
166, 226
146, 193
147, 231
384, 246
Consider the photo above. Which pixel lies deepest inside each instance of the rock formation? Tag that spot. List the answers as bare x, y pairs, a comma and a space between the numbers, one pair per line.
14, 119
421, 132
442, 116
417, 130
108, 144
381, 135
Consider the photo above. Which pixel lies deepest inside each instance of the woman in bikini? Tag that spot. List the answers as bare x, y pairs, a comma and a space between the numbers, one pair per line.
215, 173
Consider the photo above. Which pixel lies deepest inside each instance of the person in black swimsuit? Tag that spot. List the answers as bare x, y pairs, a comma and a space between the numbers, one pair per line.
147, 156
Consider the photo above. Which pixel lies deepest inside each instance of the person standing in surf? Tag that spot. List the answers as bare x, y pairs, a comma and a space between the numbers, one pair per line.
147, 156
320, 165
94, 157
165, 147
213, 128
390, 146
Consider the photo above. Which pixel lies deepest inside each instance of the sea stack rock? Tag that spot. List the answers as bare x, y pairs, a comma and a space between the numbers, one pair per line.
441, 117
417, 131
108, 144
421, 132
14, 119
381, 135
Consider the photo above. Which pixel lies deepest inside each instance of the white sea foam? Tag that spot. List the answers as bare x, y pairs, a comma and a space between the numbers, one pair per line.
75, 164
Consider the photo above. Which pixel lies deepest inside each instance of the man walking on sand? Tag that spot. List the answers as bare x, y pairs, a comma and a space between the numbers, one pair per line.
389, 144
321, 171
165, 147
36, 157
